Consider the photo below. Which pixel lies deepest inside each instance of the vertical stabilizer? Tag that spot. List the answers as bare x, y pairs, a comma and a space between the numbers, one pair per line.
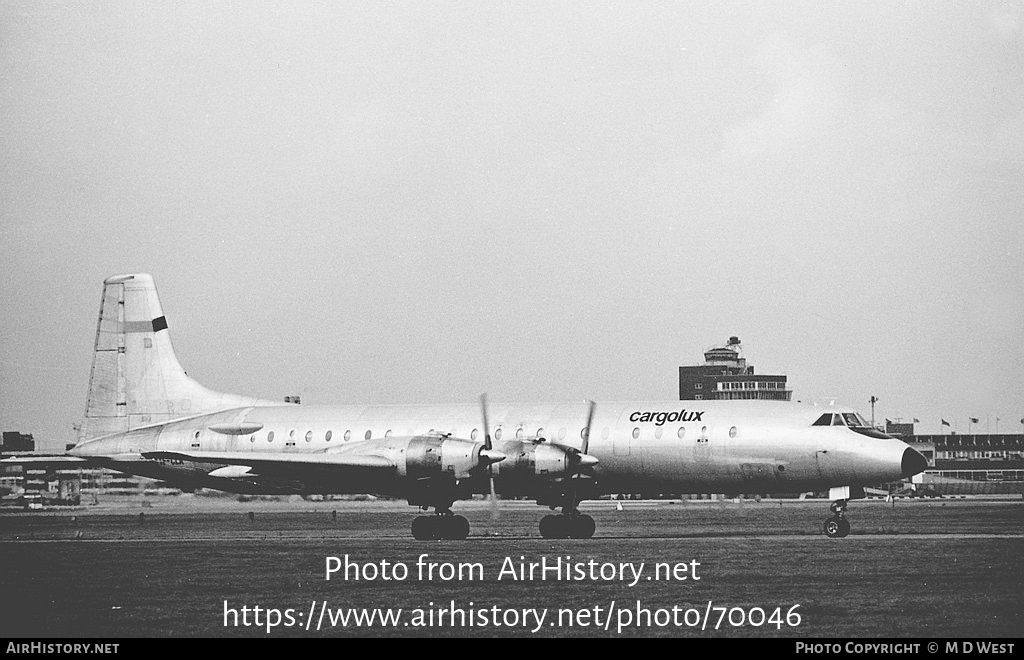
136, 378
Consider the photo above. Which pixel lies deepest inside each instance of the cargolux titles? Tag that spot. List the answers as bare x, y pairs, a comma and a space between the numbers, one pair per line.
660, 418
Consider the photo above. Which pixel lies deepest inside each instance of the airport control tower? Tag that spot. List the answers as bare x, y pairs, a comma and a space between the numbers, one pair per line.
725, 374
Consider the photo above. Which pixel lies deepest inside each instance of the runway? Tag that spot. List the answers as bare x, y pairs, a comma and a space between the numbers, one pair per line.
919, 568
781, 538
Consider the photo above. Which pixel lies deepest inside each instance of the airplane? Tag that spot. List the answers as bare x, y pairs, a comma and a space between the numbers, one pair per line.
145, 416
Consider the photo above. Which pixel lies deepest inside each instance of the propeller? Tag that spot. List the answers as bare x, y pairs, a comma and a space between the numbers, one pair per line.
487, 451
582, 460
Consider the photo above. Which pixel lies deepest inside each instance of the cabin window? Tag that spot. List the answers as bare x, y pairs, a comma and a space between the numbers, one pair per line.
703, 431
327, 436
270, 437
348, 435
519, 433
561, 433
732, 432
540, 432
309, 436
636, 432
368, 434
252, 438
387, 434
497, 433
473, 434
657, 433
584, 432
681, 432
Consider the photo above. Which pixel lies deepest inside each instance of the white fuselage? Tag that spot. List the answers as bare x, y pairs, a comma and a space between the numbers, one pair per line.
642, 446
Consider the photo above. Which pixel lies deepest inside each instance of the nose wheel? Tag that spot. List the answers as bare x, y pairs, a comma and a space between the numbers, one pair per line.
443, 525
837, 526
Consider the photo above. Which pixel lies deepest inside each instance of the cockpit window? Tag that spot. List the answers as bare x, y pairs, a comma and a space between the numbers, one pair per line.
855, 421
852, 419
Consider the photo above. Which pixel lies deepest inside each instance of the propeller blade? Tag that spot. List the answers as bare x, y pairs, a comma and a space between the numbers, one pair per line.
487, 426
590, 420
493, 500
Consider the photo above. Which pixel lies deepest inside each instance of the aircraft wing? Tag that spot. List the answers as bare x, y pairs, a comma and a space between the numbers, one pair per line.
265, 461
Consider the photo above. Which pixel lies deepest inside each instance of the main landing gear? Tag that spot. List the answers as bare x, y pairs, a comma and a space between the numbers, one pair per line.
570, 524
442, 525
837, 526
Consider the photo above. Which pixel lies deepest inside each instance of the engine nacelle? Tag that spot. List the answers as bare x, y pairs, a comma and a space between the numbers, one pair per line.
528, 461
432, 456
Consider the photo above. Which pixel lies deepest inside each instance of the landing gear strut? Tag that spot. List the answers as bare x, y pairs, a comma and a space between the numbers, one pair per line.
571, 524
837, 526
442, 525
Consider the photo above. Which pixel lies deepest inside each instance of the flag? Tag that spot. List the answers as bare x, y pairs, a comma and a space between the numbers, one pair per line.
945, 423
974, 420
917, 421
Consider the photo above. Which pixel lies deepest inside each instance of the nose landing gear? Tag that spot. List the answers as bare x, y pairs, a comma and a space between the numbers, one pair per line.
837, 526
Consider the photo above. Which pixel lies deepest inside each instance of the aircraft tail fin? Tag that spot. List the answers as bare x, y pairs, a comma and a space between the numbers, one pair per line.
136, 378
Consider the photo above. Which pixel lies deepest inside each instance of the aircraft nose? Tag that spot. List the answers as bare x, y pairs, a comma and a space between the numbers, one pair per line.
913, 462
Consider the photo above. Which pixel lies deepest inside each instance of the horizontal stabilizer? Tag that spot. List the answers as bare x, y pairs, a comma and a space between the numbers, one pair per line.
41, 459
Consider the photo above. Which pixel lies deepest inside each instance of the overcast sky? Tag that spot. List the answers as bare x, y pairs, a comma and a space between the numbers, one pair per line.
417, 202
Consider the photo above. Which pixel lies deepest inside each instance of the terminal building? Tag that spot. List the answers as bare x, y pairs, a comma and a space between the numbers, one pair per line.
725, 374
974, 463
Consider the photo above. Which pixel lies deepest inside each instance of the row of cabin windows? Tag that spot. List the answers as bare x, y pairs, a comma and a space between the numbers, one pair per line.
474, 434
680, 432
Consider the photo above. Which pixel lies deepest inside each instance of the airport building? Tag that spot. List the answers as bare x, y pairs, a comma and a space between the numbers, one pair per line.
725, 374
974, 463
15, 441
